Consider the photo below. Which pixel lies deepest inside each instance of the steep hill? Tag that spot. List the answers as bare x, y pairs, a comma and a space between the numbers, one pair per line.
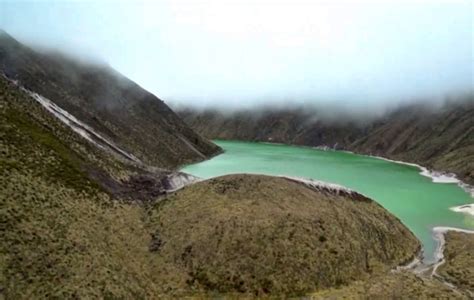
30, 135
108, 102
441, 139
259, 235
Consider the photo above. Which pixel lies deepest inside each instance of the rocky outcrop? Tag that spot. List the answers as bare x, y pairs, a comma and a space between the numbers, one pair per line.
441, 139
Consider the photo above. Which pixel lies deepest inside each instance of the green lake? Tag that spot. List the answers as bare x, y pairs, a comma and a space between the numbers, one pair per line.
417, 201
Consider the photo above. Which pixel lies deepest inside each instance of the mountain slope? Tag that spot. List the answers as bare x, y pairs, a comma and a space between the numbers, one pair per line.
30, 135
66, 235
441, 139
111, 104
82, 219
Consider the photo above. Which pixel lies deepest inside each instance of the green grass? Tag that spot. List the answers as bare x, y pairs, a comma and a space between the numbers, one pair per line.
41, 152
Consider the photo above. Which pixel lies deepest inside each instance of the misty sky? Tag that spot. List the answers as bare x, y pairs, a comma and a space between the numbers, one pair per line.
238, 53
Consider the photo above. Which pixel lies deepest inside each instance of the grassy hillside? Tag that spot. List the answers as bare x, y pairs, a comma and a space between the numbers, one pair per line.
262, 235
30, 134
62, 234
66, 235
457, 271
459, 255
393, 285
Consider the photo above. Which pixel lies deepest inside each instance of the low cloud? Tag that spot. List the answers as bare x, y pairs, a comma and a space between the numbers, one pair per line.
338, 57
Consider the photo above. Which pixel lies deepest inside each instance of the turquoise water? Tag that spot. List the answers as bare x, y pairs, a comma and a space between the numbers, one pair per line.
414, 199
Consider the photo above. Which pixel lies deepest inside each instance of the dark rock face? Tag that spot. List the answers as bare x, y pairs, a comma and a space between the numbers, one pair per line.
111, 104
440, 139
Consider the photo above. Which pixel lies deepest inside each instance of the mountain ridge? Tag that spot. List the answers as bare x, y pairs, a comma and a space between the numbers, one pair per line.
105, 100
441, 139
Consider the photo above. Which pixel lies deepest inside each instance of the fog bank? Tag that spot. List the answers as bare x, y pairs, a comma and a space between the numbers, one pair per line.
356, 56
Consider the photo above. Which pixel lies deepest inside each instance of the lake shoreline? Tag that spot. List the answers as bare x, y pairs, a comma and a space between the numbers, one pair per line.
436, 177
439, 234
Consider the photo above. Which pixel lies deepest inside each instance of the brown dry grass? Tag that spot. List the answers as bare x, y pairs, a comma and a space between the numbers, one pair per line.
264, 235
392, 285
459, 266
237, 236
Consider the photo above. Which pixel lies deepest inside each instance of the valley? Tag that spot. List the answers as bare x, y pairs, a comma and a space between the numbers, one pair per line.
107, 193
440, 139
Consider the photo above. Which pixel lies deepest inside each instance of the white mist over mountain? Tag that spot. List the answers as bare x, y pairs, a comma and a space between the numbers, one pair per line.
234, 54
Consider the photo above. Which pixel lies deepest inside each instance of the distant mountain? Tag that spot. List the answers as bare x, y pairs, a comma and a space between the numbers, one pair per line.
111, 104
440, 139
